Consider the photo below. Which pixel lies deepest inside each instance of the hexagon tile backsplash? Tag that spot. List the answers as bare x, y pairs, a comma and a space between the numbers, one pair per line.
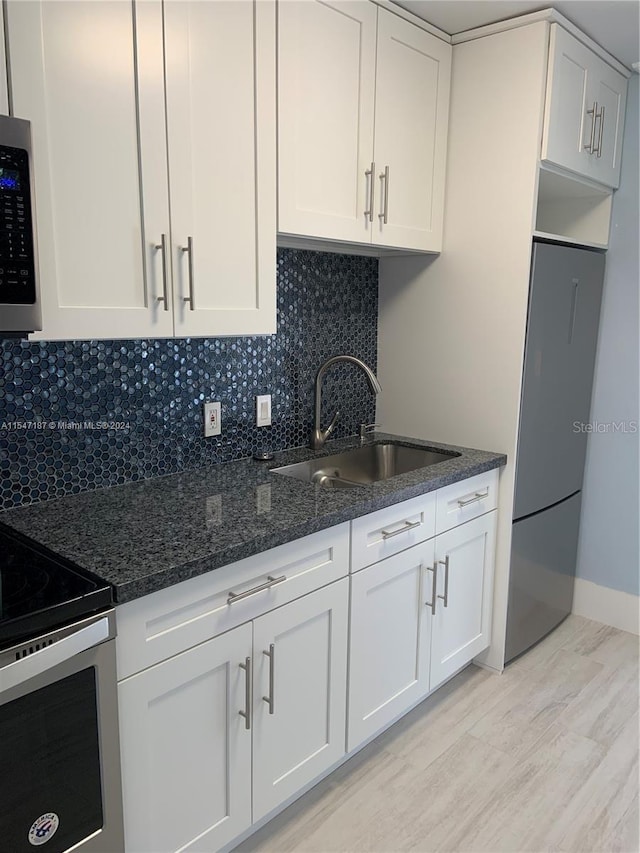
78, 415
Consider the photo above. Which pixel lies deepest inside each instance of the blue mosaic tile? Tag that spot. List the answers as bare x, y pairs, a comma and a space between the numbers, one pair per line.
80, 415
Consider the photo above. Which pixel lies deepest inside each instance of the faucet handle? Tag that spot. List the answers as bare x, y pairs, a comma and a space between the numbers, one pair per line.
321, 435
365, 428
331, 426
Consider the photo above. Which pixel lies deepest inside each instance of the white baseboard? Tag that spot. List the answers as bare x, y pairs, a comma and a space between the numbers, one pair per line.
609, 606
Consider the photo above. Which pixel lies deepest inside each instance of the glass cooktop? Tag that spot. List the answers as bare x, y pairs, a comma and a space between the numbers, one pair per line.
40, 591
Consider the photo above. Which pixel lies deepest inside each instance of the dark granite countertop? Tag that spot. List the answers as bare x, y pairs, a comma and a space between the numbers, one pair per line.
147, 535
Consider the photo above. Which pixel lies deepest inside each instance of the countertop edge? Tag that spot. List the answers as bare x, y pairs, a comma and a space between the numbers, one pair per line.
148, 535
149, 584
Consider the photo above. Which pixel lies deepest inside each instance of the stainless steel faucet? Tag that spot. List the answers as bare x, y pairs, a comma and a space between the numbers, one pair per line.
319, 435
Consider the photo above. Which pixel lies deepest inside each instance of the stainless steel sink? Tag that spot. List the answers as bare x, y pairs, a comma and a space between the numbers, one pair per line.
364, 465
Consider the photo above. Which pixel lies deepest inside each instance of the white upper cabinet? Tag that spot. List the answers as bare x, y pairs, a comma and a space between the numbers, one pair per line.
363, 102
114, 257
220, 77
584, 114
412, 112
326, 73
73, 76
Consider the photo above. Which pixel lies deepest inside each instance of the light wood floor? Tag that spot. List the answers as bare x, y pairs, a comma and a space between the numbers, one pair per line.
541, 758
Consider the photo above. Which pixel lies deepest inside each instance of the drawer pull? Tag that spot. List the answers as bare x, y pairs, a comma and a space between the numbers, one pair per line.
270, 699
408, 525
445, 597
247, 693
479, 496
434, 588
271, 581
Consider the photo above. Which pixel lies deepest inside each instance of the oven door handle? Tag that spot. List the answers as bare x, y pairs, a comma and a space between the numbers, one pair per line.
13, 674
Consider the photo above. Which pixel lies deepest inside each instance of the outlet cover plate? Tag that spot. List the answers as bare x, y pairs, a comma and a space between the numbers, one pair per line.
212, 419
263, 410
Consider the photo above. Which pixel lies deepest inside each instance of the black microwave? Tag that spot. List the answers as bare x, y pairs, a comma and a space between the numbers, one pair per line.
19, 292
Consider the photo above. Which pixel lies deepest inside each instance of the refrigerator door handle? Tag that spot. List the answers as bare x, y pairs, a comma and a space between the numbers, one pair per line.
574, 306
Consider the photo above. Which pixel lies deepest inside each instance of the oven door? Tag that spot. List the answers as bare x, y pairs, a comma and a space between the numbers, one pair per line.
59, 748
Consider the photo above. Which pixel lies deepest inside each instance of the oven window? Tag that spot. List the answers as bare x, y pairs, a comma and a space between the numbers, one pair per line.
50, 791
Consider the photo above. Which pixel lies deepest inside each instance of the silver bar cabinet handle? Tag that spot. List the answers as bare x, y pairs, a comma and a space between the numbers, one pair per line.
384, 178
592, 138
601, 117
370, 174
434, 588
162, 247
271, 654
445, 597
191, 297
408, 525
247, 692
233, 597
479, 496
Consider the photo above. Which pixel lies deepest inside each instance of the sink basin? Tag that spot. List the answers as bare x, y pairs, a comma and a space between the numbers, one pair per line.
360, 466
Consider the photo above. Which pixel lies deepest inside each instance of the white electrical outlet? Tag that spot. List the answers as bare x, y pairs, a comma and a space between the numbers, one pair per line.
212, 419
263, 410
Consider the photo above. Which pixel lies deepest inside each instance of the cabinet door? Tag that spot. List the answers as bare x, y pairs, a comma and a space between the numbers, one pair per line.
577, 135
390, 638
220, 78
300, 653
73, 74
462, 621
326, 85
567, 126
412, 112
186, 753
609, 91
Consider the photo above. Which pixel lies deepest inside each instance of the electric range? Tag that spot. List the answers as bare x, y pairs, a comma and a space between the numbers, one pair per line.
40, 591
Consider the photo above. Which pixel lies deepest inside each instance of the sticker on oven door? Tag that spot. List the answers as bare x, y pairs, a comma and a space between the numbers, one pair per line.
43, 829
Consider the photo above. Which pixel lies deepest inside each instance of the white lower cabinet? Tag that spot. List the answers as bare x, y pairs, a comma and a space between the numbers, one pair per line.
243, 686
390, 640
270, 693
300, 691
416, 619
464, 583
186, 754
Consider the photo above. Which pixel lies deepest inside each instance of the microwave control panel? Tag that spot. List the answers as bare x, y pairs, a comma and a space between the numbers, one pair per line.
17, 263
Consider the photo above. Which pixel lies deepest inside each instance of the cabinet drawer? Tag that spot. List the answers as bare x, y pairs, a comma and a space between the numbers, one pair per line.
392, 529
167, 622
465, 500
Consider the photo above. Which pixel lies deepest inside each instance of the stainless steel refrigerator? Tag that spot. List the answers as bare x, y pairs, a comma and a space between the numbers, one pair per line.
560, 351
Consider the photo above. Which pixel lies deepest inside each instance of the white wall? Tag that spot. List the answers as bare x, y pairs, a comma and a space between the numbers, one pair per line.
608, 551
